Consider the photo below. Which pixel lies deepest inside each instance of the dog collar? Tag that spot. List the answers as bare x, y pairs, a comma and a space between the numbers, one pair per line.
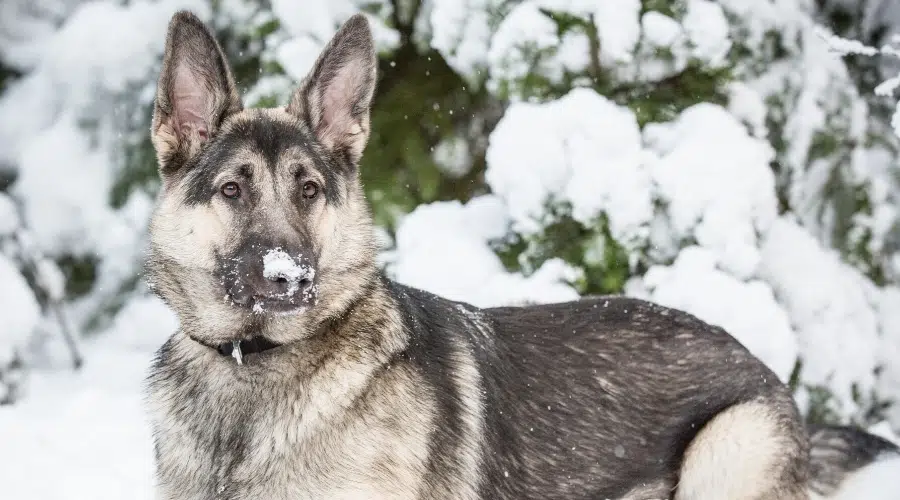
239, 349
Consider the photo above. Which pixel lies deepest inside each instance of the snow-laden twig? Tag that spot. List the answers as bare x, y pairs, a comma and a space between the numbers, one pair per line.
846, 47
51, 282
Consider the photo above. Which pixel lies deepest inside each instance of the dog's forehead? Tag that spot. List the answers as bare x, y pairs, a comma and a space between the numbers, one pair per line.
270, 135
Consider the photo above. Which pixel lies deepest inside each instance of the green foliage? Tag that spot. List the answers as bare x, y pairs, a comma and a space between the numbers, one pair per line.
603, 262
821, 403
675, 9
80, 272
654, 101
665, 100
7, 76
821, 406
420, 101
140, 171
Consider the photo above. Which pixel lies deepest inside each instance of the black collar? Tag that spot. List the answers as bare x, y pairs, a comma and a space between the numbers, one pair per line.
250, 346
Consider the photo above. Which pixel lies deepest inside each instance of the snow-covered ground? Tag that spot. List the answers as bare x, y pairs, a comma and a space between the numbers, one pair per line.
84, 435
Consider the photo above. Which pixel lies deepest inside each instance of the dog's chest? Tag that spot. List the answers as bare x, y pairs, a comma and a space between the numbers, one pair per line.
239, 446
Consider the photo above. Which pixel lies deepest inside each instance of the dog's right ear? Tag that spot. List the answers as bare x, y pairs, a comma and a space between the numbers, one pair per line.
195, 92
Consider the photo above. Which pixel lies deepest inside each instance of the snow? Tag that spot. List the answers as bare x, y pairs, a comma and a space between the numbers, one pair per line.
831, 308
9, 217
63, 215
618, 26
524, 31
452, 156
528, 40
89, 428
876, 482
747, 310
279, 264
844, 46
50, 278
582, 149
888, 349
19, 308
660, 30
708, 32
312, 24
445, 248
716, 183
747, 105
460, 31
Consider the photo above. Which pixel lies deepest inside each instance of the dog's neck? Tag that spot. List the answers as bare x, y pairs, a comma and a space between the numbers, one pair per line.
367, 317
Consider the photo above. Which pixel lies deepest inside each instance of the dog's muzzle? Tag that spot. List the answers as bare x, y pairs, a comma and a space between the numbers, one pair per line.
275, 282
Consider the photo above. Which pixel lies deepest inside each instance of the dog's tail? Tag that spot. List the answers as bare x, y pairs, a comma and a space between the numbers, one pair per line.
850, 463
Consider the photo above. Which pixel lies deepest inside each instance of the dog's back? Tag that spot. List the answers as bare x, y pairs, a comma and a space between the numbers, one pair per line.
592, 399
613, 397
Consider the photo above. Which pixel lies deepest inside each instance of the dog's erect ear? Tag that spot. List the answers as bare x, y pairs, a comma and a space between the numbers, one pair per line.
195, 92
335, 97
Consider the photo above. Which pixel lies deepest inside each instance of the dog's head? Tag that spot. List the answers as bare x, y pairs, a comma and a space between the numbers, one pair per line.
261, 226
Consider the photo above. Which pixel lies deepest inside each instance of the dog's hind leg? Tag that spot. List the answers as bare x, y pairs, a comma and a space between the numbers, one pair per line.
751, 451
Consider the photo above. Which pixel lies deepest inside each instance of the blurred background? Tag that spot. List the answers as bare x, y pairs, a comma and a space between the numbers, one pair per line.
731, 158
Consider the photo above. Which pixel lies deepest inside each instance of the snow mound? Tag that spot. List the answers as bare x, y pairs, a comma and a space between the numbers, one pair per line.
582, 149
715, 182
445, 248
831, 307
19, 308
877, 481
746, 310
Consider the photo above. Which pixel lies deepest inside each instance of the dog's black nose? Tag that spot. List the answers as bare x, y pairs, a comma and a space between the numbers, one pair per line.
279, 286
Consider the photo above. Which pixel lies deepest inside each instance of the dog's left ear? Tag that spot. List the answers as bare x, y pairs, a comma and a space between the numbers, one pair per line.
335, 98
195, 93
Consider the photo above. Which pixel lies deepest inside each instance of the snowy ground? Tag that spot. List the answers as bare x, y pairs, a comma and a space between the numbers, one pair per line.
80, 436
87, 430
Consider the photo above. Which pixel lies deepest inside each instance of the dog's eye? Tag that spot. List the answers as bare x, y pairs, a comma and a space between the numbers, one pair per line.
231, 190
310, 190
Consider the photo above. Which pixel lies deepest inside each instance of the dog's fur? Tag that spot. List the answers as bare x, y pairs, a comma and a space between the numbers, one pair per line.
375, 390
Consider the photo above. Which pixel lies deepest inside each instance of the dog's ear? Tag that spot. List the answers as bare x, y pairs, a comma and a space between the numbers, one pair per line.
195, 92
334, 99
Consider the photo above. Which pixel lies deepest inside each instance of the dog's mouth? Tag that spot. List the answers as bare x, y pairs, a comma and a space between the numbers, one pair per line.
285, 284
238, 349
280, 305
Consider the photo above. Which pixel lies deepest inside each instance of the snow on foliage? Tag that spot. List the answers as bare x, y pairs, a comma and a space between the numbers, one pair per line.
830, 305
581, 149
715, 182
21, 312
445, 248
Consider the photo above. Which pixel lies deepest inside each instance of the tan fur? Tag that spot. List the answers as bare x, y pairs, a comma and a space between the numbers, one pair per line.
739, 455
337, 427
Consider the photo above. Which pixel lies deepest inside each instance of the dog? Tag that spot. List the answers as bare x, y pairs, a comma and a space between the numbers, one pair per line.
300, 371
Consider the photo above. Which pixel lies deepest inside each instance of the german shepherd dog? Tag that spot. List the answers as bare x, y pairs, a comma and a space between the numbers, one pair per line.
301, 372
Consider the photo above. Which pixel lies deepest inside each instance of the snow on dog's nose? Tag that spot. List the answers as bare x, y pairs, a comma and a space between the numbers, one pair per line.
270, 279
286, 276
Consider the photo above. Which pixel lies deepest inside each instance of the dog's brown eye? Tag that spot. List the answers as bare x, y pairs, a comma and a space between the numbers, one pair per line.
310, 189
231, 190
